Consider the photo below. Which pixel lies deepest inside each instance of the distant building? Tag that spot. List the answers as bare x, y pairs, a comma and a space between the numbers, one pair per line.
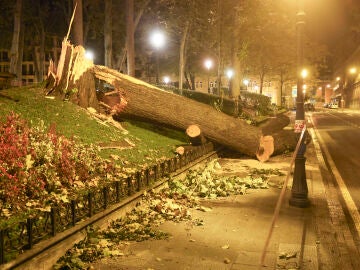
31, 62
346, 83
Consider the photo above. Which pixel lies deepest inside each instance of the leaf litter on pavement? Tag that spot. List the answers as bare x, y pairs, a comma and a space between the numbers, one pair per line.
171, 203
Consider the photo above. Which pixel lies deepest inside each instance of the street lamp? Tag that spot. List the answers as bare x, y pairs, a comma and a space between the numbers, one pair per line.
208, 64
299, 190
157, 40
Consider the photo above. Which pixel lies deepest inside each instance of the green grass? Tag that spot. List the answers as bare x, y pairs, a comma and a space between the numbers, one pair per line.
151, 142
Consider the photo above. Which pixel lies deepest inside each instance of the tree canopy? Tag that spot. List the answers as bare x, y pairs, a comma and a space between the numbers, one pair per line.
249, 35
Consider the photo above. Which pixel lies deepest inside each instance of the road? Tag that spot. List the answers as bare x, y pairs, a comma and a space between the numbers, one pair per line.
339, 132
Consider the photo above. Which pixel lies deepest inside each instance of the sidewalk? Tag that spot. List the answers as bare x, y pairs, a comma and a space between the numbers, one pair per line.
234, 232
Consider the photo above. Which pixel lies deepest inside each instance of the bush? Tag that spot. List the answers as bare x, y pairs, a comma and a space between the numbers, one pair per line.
43, 168
260, 102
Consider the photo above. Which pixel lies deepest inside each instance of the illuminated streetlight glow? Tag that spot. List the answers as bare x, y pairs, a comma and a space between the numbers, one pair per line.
304, 73
166, 79
208, 64
157, 39
328, 85
229, 73
246, 82
353, 70
89, 55
337, 78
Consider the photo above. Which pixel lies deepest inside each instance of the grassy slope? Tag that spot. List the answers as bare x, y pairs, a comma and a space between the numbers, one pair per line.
151, 142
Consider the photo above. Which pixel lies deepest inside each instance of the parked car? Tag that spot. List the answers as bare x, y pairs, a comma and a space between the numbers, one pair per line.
333, 106
326, 105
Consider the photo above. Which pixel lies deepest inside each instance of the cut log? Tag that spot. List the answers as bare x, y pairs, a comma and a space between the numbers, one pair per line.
266, 148
180, 150
195, 136
184, 149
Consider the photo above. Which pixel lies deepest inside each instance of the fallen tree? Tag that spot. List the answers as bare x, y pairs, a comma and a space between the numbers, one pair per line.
134, 99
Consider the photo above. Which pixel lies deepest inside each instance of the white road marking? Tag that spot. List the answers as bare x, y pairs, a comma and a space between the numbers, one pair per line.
351, 206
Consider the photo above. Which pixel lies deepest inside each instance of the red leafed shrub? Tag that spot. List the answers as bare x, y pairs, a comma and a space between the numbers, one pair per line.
39, 168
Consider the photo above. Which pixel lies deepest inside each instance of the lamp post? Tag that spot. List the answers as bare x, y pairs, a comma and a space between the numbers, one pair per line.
208, 65
299, 190
157, 40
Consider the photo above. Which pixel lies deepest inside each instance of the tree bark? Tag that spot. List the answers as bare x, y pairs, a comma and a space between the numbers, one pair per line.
108, 33
130, 43
182, 55
78, 30
275, 124
14, 52
148, 102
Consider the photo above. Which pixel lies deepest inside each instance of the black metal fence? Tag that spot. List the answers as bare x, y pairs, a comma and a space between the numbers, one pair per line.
23, 235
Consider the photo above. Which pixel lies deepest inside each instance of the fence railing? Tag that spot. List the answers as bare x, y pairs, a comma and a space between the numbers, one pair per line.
22, 236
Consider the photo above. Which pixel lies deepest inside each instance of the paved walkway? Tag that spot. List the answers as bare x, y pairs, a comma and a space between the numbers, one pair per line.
234, 232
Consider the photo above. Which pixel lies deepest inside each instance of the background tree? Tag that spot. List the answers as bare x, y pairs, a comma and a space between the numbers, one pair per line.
15, 57
108, 33
130, 43
78, 28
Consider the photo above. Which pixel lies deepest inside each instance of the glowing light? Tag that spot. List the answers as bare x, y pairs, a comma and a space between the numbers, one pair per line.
89, 55
157, 39
337, 78
229, 73
304, 73
166, 79
353, 70
246, 82
208, 63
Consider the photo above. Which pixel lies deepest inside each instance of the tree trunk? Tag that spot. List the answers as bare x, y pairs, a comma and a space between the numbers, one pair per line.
148, 102
21, 53
275, 124
130, 43
182, 55
14, 52
108, 33
122, 57
78, 30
